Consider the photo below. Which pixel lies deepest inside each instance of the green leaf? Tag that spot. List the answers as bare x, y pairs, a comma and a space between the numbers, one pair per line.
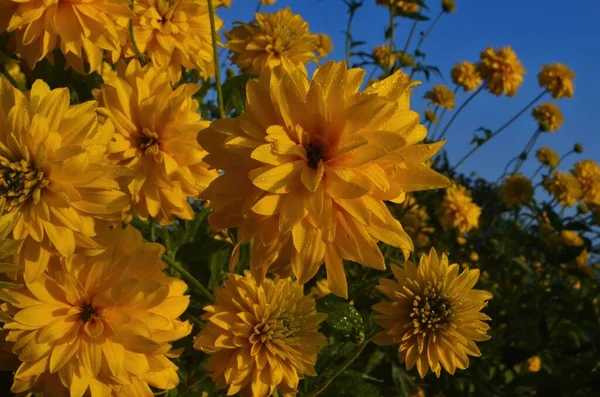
343, 320
234, 93
9, 247
348, 384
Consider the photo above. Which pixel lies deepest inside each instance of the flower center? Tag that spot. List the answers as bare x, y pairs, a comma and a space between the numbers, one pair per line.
314, 154
87, 312
281, 327
18, 182
149, 141
430, 311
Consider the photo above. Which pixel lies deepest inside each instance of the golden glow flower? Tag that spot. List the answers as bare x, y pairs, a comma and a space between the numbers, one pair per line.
402, 7
441, 96
564, 187
99, 324
261, 337
571, 238
430, 116
433, 313
587, 174
448, 6
308, 167
416, 222
501, 70
458, 211
14, 70
557, 78
548, 116
271, 38
267, 2
517, 190
82, 30
175, 34
324, 44
548, 156
533, 364
160, 147
466, 76
384, 56
54, 172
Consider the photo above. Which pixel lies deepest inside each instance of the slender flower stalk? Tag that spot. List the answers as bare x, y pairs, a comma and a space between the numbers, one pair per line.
410, 36
460, 109
213, 32
136, 49
423, 37
499, 130
187, 276
523, 155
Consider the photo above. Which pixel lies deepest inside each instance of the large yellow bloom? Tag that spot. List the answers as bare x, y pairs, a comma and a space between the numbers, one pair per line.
100, 323
501, 70
261, 337
458, 211
587, 173
309, 166
564, 187
465, 75
434, 314
156, 130
441, 96
54, 172
82, 29
548, 156
271, 38
517, 190
175, 34
548, 116
384, 56
557, 78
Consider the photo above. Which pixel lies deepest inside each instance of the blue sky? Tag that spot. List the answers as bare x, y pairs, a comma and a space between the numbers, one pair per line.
540, 31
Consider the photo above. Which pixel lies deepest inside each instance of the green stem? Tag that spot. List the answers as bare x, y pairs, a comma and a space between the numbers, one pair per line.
321, 388
410, 36
187, 276
504, 126
349, 35
433, 118
5, 73
537, 171
392, 40
213, 32
459, 110
422, 39
523, 155
136, 49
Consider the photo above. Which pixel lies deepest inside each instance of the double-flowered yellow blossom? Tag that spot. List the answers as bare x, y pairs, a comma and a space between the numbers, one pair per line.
548, 156
564, 187
458, 211
448, 6
82, 29
548, 116
587, 174
501, 70
517, 190
156, 129
401, 7
416, 222
384, 56
99, 326
54, 172
261, 337
571, 238
267, 2
433, 314
308, 167
557, 78
271, 38
441, 96
466, 76
533, 364
175, 34
324, 45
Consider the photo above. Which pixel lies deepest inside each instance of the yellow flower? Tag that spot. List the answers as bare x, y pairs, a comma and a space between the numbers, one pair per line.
271, 38
402, 7
458, 211
548, 156
548, 116
261, 337
534, 364
102, 323
557, 78
309, 166
587, 173
160, 147
8, 248
501, 70
54, 172
430, 116
564, 187
466, 76
320, 289
441, 96
384, 56
474, 256
267, 2
448, 6
82, 30
433, 314
416, 222
517, 190
175, 34
571, 238
324, 44
14, 70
